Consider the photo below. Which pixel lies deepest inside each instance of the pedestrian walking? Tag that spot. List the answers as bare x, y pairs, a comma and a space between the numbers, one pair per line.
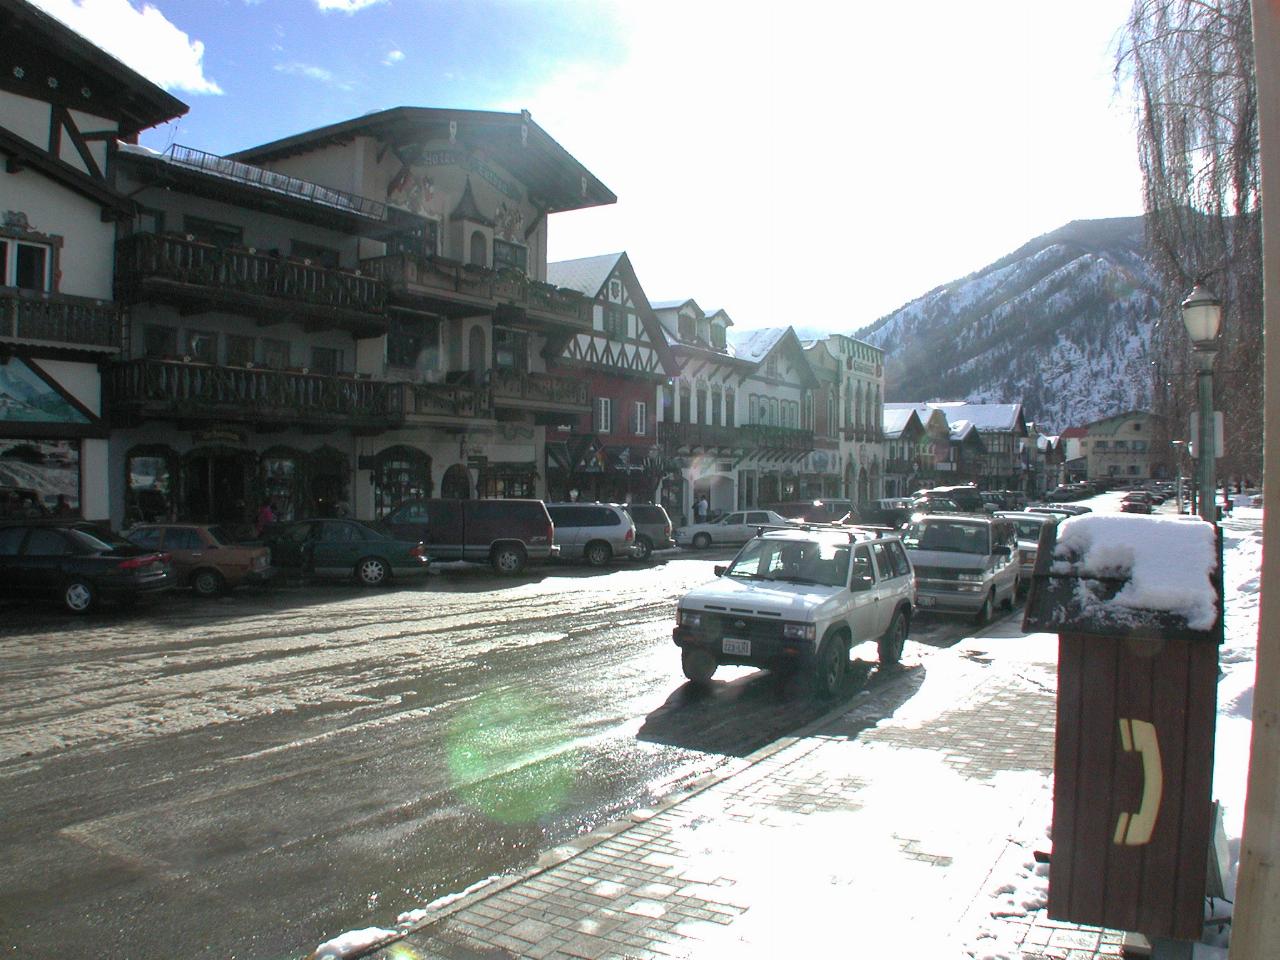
700, 510
266, 516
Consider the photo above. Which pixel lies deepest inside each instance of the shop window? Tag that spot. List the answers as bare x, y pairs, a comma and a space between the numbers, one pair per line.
280, 480
321, 256
326, 360
479, 249
413, 342
275, 354
509, 256
400, 473
505, 481
211, 231
202, 346
239, 350
150, 479
160, 342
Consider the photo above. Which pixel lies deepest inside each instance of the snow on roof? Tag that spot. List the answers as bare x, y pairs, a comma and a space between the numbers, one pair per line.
1139, 549
670, 304
896, 419
960, 429
984, 416
586, 274
754, 345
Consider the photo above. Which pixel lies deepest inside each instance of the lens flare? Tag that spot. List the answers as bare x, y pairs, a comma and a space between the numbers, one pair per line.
510, 757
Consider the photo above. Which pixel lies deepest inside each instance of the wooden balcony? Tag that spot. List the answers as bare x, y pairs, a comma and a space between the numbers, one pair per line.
897, 466
863, 434
778, 439
457, 290
199, 391
444, 403
539, 391
194, 275
56, 319
748, 438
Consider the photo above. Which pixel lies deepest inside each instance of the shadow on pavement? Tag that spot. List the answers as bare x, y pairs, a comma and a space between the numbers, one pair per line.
737, 717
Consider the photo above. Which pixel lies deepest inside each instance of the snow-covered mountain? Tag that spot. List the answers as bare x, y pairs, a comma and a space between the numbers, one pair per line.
1061, 325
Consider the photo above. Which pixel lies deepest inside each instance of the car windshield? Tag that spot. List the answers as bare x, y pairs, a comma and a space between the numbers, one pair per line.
948, 536
793, 561
1028, 529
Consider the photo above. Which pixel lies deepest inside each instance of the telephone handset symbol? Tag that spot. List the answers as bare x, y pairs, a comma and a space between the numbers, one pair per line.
1134, 829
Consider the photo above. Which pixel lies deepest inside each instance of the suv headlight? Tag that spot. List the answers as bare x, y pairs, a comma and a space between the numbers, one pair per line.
973, 577
799, 631
688, 618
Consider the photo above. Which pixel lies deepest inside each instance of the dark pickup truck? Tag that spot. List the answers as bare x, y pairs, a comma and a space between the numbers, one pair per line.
503, 533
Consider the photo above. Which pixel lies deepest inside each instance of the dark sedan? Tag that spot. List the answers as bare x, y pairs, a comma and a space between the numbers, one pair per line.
76, 567
344, 548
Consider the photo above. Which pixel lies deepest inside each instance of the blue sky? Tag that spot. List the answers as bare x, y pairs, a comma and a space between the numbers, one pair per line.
804, 163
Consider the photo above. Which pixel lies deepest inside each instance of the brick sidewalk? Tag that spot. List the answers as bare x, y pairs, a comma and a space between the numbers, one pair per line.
882, 829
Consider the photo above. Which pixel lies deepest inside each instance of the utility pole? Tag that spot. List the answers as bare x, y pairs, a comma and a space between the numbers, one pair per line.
1255, 928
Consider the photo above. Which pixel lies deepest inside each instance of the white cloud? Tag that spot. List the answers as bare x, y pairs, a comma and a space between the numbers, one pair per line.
345, 6
312, 72
140, 38
392, 58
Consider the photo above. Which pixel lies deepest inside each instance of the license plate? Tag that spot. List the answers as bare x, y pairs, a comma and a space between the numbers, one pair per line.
740, 647
924, 601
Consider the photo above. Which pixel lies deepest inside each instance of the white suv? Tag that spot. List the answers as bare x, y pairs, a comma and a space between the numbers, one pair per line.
800, 599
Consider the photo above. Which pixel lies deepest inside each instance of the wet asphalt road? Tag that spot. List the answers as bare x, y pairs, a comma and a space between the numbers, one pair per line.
249, 776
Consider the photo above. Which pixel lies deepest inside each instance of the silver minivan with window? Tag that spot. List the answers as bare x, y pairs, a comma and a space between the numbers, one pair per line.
594, 532
964, 563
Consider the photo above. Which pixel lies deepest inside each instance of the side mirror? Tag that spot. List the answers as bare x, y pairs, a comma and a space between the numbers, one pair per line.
720, 568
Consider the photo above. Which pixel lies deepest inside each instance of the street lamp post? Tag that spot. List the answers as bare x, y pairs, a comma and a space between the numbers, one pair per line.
1202, 315
1178, 446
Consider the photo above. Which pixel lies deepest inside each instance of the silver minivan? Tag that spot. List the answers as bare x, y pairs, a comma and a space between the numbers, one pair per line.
964, 563
595, 532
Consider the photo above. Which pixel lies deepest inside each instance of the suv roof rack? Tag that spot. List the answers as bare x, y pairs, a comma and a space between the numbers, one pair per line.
870, 531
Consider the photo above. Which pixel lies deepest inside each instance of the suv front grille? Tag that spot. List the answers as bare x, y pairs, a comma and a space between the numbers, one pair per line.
742, 627
936, 573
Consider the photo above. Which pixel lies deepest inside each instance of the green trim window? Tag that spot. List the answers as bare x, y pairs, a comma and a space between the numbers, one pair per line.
510, 256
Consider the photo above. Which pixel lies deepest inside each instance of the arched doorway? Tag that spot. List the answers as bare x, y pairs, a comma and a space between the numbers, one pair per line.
399, 473
864, 485
456, 483
217, 485
330, 475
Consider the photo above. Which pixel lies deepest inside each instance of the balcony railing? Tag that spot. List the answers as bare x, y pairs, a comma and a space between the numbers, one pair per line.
863, 434
436, 275
197, 390
894, 465
541, 391
57, 318
176, 258
448, 400
275, 182
763, 437
750, 436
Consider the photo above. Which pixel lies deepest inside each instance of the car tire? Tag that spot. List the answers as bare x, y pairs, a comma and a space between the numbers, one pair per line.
699, 665
829, 668
644, 548
988, 608
701, 541
372, 572
597, 553
507, 559
78, 596
892, 643
207, 583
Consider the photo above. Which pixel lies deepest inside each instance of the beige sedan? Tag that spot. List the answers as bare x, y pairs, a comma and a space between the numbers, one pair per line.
205, 558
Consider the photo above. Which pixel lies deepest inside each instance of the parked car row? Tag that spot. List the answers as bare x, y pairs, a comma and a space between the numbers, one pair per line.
79, 564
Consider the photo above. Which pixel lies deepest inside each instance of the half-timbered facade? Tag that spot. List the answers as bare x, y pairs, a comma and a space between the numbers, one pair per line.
612, 453
903, 433
64, 104
736, 425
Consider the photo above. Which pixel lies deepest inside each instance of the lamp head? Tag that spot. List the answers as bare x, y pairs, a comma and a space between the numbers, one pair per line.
1202, 315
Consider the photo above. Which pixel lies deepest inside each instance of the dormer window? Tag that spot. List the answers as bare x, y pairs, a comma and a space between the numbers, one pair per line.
717, 336
687, 328
704, 331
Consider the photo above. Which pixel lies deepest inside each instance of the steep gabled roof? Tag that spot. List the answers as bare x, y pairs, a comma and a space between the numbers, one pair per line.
897, 421
755, 345
587, 275
984, 416
676, 304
